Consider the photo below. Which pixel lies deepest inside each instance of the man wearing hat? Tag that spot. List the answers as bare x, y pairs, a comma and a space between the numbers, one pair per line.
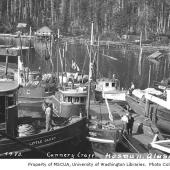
124, 119
130, 124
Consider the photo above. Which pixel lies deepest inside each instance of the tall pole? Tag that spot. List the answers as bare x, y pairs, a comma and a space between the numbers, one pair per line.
90, 73
58, 56
149, 79
51, 56
98, 59
6, 66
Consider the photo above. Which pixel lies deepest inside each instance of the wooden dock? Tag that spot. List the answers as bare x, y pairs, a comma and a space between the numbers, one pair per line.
119, 45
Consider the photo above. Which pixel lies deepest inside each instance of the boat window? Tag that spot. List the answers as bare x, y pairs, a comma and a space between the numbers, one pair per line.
82, 99
113, 84
107, 84
69, 99
76, 100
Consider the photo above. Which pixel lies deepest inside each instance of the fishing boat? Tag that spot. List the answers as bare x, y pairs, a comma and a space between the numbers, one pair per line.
104, 135
26, 136
12, 139
109, 89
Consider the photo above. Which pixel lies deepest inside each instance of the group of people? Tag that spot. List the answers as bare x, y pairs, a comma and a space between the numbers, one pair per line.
128, 122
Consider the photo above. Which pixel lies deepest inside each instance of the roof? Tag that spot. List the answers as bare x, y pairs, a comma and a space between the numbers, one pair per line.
155, 57
21, 25
74, 93
44, 31
7, 86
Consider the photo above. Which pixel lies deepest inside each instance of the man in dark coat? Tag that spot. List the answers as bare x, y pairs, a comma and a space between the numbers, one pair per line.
130, 124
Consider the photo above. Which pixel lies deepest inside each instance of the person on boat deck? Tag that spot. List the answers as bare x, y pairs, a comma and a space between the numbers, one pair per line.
132, 87
48, 113
124, 119
130, 124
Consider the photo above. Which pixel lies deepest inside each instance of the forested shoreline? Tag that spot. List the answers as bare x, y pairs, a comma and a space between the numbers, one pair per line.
75, 16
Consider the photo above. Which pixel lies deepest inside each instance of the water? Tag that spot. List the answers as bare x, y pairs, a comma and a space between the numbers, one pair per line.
126, 67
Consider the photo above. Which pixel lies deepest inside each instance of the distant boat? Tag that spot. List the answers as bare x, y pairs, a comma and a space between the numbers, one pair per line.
109, 89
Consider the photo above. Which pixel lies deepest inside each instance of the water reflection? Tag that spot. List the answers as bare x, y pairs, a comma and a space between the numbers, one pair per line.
127, 66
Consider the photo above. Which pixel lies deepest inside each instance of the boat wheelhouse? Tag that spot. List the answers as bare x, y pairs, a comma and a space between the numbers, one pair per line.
109, 89
70, 102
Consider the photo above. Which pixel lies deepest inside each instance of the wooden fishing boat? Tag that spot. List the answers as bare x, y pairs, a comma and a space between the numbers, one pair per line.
109, 89
12, 138
104, 135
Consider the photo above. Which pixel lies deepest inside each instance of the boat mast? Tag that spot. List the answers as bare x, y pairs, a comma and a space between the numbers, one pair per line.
6, 66
51, 45
58, 36
149, 79
97, 70
90, 73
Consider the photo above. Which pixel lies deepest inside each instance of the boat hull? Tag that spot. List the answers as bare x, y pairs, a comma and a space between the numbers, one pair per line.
76, 132
114, 96
162, 121
104, 141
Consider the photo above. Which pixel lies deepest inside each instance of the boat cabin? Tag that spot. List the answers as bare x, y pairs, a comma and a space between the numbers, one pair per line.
74, 96
8, 106
107, 84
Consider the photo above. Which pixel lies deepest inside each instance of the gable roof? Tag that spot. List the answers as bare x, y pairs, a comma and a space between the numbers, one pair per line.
44, 31
21, 25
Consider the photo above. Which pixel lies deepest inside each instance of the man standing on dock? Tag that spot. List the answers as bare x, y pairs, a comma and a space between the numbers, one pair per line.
125, 122
130, 124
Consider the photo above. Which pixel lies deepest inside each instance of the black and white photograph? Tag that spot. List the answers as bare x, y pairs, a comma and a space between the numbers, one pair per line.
85, 80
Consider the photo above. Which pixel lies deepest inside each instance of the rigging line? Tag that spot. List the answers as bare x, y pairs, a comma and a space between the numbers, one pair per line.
111, 57
130, 144
84, 64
